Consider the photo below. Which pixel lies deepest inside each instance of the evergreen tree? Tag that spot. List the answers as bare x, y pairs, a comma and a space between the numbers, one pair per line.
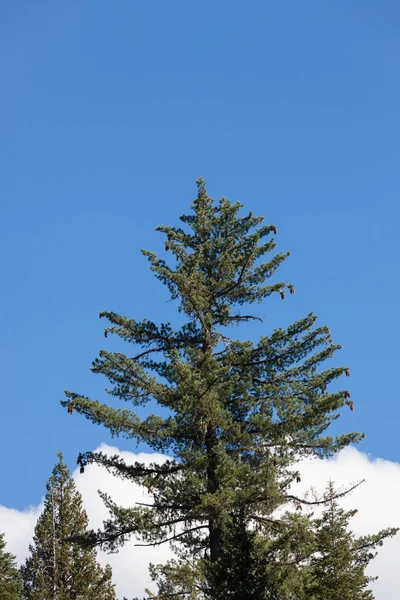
237, 415
58, 569
338, 566
10, 579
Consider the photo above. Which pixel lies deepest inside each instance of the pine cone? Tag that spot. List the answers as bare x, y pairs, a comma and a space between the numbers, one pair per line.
273, 228
70, 410
347, 371
167, 245
282, 293
291, 289
298, 478
299, 507
82, 470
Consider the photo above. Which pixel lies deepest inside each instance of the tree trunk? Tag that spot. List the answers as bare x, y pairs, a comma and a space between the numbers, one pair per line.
54, 582
212, 487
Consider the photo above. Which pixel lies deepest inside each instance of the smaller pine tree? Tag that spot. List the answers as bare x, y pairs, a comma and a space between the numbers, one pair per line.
340, 560
57, 568
10, 579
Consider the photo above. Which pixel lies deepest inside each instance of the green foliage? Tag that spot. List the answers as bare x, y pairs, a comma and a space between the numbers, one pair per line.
10, 579
263, 564
238, 414
338, 566
57, 568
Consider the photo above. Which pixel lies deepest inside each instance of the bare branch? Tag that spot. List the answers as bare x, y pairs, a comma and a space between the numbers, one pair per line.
174, 537
324, 500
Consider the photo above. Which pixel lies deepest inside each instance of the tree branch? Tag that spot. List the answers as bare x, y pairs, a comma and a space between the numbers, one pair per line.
174, 537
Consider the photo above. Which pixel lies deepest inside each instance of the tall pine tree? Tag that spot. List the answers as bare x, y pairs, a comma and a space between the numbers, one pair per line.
10, 579
239, 414
58, 569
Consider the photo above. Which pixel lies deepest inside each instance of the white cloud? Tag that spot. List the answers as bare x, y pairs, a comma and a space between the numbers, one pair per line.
376, 500
18, 526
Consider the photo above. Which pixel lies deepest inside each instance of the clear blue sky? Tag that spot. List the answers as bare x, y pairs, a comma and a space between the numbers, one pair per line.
110, 110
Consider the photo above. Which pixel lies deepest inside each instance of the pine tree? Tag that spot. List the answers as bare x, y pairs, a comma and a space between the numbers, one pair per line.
58, 569
338, 566
235, 415
10, 579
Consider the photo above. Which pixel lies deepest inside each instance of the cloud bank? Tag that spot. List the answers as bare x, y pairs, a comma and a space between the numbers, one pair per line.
377, 501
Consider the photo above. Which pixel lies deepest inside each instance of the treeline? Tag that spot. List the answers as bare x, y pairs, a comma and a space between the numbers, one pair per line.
238, 418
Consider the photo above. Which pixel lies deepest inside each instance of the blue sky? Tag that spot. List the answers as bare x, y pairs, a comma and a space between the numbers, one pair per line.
110, 111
